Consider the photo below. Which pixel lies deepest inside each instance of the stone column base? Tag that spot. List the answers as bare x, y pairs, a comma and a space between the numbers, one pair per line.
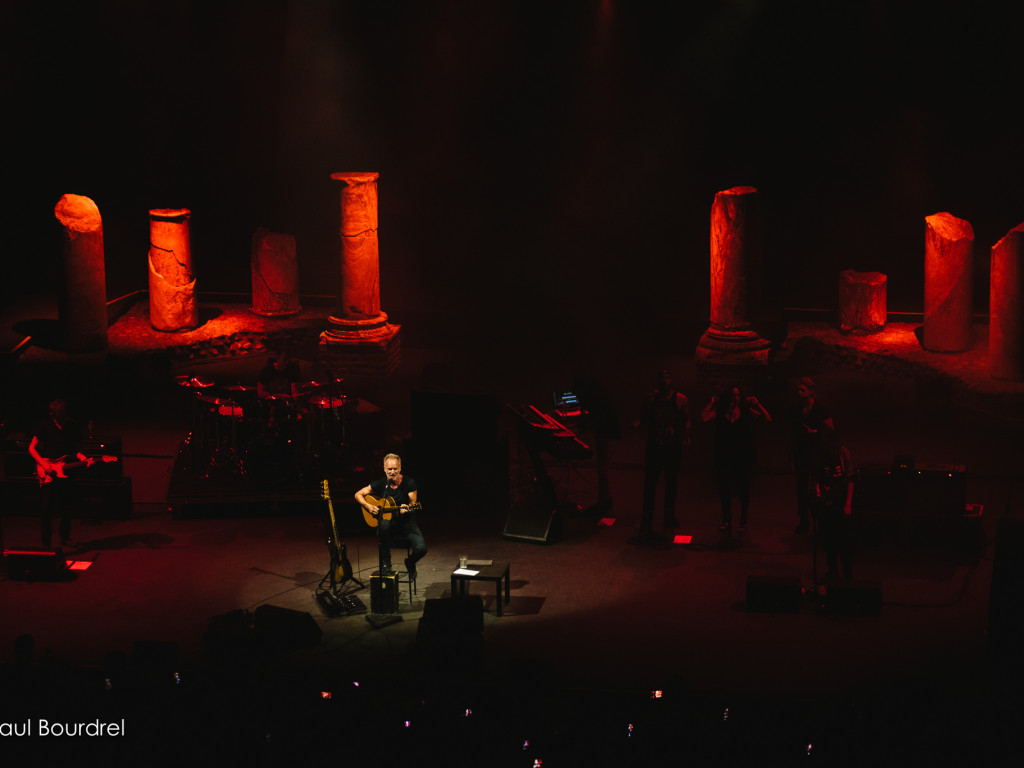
369, 346
740, 348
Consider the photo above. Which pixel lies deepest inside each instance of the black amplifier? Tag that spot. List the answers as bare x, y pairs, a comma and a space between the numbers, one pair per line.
384, 594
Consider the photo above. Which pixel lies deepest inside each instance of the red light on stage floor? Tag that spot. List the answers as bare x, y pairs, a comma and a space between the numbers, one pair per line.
607, 522
681, 539
78, 565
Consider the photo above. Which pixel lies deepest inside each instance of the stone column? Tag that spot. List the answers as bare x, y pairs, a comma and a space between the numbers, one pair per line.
275, 274
862, 301
948, 284
358, 321
1006, 308
82, 305
735, 281
172, 286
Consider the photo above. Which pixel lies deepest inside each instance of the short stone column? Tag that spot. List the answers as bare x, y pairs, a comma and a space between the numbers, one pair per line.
358, 322
948, 284
82, 295
862, 301
172, 286
275, 274
1006, 308
735, 281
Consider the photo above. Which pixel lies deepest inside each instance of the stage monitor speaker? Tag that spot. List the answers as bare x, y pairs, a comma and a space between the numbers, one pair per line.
32, 564
285, 628
1005, 617
230, 633
452, 629
774, 594
384, 594
532, 521
854, 597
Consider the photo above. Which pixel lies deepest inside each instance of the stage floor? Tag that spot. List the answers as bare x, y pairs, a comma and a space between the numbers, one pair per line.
590, 612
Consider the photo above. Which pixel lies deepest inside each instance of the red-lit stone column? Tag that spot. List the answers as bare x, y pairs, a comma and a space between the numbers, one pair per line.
948, 284
735, 281
1006, 307
275, 274
862, 301
358, 321
82, 305
172, 286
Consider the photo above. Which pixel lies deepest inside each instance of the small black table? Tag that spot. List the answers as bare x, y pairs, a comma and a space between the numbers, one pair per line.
497, 572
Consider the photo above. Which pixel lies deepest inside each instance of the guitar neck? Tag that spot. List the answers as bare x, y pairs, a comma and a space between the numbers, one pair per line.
330, 510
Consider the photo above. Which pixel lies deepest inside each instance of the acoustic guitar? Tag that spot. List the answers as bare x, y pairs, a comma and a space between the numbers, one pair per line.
386, 509
341, 568
65, 463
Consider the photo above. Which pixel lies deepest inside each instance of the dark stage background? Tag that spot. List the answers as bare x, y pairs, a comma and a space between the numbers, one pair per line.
546, 167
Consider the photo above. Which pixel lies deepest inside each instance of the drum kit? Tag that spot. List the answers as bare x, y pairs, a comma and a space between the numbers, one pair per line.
271, 439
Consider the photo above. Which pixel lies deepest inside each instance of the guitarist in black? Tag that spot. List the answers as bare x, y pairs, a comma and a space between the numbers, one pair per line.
55, 443
401, 491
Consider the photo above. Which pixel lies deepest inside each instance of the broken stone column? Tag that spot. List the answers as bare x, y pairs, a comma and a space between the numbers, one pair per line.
82, 297
275, 274
735, 281
1006, 307
358, 321
948, 284
172, 286
862, 301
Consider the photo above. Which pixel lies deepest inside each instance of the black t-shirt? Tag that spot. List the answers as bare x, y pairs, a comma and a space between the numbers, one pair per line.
666, 420
55, 442
734, 440
803, 440
400, 495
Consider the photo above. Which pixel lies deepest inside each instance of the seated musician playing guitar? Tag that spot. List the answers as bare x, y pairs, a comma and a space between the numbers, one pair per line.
54, 447
391, 504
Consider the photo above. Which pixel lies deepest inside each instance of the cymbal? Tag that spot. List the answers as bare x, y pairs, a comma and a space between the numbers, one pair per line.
214, 400
317, 383
327, 402
239, 388
194, 382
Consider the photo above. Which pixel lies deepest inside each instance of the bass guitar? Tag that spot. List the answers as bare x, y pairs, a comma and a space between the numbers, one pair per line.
341, 568
386, 509
58, 467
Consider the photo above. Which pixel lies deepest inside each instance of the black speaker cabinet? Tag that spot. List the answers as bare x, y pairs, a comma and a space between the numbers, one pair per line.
854, 597
452, 629
286, 628
774, 594
532, 521
384, 594
1005, 617
31, 564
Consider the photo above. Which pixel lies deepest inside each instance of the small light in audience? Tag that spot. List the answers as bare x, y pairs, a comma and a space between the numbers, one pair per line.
657, 694
325, 694
725, 715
